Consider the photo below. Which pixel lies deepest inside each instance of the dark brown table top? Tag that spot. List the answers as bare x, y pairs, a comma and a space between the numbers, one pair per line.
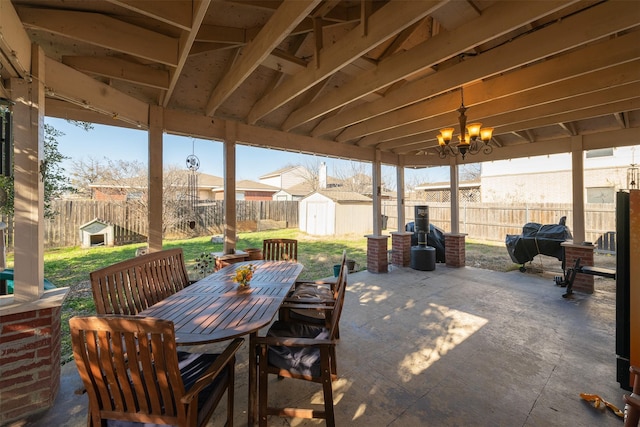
216, 309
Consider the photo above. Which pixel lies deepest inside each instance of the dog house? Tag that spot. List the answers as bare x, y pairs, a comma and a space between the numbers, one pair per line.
96, 233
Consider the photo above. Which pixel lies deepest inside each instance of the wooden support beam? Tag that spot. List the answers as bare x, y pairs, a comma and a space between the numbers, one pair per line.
28, 155
103, 31
187, 39
156, 186
119, 69
175, 12
386, 22
275, 30
15, 45
570, 33
425, 56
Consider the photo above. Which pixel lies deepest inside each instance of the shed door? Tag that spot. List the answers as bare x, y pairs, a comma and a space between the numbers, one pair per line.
317, 218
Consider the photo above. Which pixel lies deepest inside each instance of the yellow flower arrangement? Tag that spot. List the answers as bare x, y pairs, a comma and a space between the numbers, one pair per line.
244, 274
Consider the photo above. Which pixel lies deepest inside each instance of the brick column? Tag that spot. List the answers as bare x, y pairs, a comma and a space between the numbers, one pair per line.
401, 248
454, 250
30, 356
377, 261
582, 282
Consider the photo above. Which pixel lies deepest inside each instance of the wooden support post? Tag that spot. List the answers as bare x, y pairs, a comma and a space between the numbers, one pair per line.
28, 125
155, 178
229, 150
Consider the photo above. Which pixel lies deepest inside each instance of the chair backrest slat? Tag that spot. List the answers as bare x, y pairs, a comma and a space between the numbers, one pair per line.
280, 249
130, 286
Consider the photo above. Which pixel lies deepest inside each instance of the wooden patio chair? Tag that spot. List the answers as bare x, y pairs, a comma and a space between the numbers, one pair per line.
130, 286
632, 401
304, 352
280, 250
133, 374
298, 306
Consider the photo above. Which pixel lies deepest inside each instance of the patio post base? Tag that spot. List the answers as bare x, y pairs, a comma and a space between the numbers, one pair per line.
454, 250
582, 282
377, 261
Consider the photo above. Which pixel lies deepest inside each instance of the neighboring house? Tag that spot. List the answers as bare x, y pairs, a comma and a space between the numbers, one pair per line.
547, 179
334, 212
542, 179
297, 192
303, 180
441, 191
136, 188
286, 177
248, 190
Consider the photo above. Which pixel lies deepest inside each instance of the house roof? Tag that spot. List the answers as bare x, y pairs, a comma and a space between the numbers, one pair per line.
247, 185
204, 181
280, 171
344, 196
311, 76
447, 185
299, 190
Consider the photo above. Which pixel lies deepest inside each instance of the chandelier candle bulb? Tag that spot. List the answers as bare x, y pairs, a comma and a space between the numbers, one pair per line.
486, 134
474, 129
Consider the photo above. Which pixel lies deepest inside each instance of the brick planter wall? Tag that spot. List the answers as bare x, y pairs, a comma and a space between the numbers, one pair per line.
454, 250
583, 282
30, 358
401, 248
377, 261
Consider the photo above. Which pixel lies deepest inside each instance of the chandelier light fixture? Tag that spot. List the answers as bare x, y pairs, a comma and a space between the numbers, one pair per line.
474, 140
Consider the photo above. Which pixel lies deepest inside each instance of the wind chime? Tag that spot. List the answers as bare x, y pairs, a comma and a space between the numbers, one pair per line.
632, 172
193, 164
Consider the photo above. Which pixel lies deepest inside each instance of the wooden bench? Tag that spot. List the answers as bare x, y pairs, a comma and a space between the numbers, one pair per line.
130, 286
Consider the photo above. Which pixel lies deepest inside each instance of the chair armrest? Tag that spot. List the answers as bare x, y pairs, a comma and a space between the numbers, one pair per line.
213, 371
632, 400
294, 342
315, 282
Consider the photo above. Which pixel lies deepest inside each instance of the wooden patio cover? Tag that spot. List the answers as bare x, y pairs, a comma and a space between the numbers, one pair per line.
365, 80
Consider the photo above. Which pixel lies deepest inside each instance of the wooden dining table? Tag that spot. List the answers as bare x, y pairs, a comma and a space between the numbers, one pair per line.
216, 309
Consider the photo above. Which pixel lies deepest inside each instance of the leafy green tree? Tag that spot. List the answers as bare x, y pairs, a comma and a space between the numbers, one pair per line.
56, 183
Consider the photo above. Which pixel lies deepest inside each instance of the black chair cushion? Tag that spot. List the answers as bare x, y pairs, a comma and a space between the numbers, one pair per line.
298, 360
192, 366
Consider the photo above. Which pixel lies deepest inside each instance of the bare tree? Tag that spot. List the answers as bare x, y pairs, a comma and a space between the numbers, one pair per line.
470, 171
356, 177
128, 180
309, 171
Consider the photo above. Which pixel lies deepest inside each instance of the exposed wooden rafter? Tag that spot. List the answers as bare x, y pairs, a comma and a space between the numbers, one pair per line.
387, 21
277, 28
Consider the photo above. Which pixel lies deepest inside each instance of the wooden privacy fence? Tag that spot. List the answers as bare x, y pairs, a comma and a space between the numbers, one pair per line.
492, 221
130, 219
481, 221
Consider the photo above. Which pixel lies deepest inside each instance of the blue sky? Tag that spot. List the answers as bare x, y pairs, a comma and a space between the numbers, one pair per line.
127, 144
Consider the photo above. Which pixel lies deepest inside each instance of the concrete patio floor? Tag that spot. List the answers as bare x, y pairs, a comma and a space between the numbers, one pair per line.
450, 347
